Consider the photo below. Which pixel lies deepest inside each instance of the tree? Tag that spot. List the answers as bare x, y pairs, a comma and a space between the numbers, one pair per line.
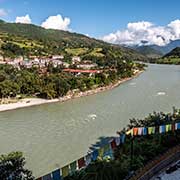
12, 167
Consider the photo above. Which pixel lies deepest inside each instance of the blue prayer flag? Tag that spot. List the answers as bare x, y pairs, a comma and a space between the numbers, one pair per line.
47, 177
94, 155
56, 175
122, 137
144, 131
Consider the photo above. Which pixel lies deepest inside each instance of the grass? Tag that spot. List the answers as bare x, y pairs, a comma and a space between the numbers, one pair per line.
96, 52
76, 51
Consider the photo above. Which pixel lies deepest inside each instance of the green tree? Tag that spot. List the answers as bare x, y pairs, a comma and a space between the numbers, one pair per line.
12, 167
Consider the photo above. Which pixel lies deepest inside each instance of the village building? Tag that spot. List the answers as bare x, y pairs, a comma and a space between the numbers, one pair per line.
76, 59
58, 57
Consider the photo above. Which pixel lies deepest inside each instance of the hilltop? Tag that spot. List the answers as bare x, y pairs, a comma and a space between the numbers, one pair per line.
31, 40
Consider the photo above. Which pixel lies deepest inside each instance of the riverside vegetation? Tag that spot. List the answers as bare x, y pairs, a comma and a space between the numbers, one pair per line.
145, 149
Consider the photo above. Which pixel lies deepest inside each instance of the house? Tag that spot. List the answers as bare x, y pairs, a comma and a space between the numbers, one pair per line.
57, 57
76, 59
87, 66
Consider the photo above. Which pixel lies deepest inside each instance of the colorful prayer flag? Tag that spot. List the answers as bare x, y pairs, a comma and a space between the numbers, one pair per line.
88, 159
56, 175
135, 131
113, 144
47, 177
140, 131
101, 152
65, 171
122, 138
144, 131
81, 163
73, 167
117, 139
94, 155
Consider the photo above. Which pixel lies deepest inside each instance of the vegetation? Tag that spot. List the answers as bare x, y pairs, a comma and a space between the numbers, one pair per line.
55, 83
12, 167
173, 57
145, 148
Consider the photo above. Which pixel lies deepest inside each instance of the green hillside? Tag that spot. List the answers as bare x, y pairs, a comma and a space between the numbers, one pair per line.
172, 57
27, 39
148, 51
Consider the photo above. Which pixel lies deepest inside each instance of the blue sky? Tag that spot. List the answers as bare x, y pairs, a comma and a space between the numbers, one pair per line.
94, 17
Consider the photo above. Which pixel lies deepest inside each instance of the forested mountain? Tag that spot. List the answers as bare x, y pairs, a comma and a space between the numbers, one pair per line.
27, 39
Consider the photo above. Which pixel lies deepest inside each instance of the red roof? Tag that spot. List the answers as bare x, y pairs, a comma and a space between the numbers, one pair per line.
81, 71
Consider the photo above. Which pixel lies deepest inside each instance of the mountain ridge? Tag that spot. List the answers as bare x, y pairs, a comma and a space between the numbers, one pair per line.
35, 40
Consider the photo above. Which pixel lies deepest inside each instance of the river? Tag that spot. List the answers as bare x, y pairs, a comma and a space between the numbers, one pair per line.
53, 135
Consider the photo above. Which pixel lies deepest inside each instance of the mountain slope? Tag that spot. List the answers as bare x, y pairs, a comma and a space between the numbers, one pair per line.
174, 53
157, 50
148, 51
30, 39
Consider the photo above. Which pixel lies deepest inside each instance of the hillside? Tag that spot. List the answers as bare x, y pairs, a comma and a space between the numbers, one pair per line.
154, 51
174, 53
172, 57
148, 51
27, 39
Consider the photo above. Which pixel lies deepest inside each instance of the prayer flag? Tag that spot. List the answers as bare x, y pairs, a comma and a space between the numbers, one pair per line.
65, 171
88, 159
73, 167
140, 131
56, 175
113, 144
122, 137
135, 131
101, 152
117, 139
94, 155
47, 177
144, 131
81, 163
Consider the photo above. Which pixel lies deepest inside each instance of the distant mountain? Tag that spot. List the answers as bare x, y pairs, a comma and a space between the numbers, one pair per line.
155, 51
28, 39
148, 51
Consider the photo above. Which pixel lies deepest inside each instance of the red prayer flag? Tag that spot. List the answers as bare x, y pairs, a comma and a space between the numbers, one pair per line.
113, 144
173, 127
135, 131
81, 163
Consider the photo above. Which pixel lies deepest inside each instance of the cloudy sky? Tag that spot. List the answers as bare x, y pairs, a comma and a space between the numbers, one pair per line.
117, 21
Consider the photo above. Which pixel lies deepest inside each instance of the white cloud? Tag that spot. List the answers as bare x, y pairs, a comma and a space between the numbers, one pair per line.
23, 19
56, 22
3, 12
144, 31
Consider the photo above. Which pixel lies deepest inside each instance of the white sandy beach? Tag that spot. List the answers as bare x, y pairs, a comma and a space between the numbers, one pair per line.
27, 102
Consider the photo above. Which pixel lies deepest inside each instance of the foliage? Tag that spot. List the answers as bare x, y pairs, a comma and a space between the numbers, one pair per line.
145, 149
12, 167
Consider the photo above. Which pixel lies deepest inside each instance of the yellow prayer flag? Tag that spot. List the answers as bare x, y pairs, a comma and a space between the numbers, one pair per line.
65, 171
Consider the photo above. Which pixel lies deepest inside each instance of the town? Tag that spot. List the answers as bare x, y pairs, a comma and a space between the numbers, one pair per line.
76, 65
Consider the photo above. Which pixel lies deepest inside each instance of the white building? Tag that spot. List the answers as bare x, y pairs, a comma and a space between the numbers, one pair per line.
76, 59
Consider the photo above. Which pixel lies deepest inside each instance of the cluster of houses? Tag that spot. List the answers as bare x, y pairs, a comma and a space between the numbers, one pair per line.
80, 66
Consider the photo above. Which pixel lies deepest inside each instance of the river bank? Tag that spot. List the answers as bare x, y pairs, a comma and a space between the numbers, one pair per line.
28, 102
